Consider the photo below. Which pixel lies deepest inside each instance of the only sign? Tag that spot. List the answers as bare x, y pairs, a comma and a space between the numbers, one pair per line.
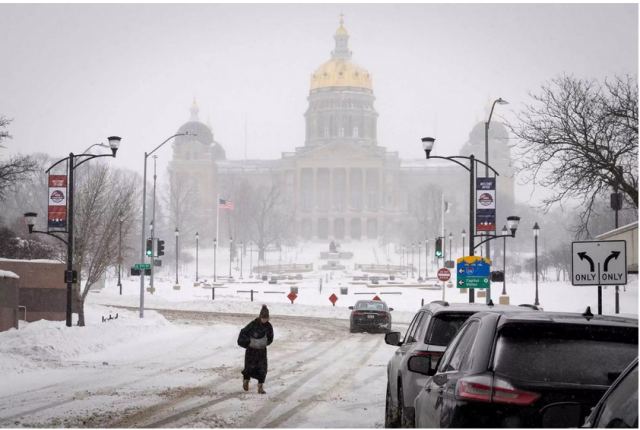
444, 274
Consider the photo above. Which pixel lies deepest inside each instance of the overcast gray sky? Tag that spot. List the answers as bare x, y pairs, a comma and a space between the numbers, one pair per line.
70, 75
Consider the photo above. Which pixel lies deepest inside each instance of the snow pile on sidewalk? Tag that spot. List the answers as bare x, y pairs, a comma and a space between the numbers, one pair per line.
49, 344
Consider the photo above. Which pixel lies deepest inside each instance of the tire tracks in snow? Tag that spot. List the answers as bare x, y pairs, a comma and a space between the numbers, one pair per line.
148, 417
346, 375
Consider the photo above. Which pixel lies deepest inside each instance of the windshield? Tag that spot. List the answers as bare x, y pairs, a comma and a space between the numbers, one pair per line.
371, 306
565, 353
444, 326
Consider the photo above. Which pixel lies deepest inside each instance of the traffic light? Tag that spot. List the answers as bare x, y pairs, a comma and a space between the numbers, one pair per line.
439, 247
149, 248
160, 248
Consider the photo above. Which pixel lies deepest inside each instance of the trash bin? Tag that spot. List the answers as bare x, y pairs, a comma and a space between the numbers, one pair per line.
294, 290
344, 291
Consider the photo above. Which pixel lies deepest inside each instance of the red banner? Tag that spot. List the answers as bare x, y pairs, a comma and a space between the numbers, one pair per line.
57, 196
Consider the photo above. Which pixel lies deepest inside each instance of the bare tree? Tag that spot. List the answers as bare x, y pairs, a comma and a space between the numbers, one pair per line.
182, 203
268, 218
580, 138
102, 196
16, 168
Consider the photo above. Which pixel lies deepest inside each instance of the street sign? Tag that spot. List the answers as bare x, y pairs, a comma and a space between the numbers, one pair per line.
473, 272
599, 262
444, 274
292, 296
140, 266
333, 299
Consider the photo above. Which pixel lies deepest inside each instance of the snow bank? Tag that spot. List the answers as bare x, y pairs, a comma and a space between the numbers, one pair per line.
8, 274
46, 344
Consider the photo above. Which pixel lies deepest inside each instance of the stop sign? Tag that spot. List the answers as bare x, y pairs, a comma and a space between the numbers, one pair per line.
444, 274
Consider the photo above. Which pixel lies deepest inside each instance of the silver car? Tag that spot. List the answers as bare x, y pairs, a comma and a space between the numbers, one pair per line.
428, 335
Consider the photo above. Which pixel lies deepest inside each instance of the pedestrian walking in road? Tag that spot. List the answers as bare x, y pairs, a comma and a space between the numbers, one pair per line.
255, 337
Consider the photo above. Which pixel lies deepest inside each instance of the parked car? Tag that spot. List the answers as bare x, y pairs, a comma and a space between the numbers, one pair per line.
428, 335
370, 315
506, 369
618, 407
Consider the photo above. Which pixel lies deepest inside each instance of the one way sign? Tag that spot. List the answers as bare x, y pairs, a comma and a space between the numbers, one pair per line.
599, 263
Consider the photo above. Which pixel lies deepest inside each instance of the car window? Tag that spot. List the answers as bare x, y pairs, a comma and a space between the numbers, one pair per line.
463, 347
422, 327
446, 357
620, 409
564, 352
444, 326
411, 334
411, 327
371, 306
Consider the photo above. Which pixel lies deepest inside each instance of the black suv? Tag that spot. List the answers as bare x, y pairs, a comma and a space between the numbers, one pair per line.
505, 369
428, 335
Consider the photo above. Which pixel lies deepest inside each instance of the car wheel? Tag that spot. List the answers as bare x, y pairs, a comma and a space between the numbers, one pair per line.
390, 413
352, 329
405, 420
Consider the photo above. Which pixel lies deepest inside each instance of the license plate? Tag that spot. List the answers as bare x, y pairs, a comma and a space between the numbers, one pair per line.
371, 316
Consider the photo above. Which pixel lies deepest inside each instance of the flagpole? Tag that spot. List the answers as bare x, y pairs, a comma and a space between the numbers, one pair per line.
217, 229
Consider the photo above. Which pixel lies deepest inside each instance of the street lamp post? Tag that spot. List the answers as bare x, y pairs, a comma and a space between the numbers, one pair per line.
412, 255
504, 260
241, 249
144, 209
450, 241
427, 145
464, 234
426, 258
215, 250
177, 232
500, 101
197, 246
250, 260
536, 232
230, 255
114, 143
419, 259
121, 219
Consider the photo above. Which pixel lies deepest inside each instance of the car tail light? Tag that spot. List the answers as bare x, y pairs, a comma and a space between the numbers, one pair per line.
357, 313
484, 389
435, 356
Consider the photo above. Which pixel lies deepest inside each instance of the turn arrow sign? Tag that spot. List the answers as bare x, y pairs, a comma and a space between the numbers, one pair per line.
614, 254
584, 256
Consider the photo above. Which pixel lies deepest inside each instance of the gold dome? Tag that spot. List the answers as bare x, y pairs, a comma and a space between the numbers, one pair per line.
340, 73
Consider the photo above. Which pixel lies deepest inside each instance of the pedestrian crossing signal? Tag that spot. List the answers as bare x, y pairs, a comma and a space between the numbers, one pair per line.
149, 247
439, 247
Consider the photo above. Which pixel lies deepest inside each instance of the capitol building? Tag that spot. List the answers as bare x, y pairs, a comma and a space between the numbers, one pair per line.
339, 183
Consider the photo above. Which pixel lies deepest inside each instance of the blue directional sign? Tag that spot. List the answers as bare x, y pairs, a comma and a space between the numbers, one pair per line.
473, 272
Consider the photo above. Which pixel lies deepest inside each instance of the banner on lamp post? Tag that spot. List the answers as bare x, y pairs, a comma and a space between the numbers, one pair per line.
485, 204
57, 204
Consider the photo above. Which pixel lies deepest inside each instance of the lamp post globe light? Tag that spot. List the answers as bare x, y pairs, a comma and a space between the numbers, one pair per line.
177, 285
197, 246
536, 233
73, 161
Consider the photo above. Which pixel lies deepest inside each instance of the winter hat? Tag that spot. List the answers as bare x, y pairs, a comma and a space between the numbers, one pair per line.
264, 312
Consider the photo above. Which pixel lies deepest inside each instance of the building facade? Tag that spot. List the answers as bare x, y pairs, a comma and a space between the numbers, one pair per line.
340, 184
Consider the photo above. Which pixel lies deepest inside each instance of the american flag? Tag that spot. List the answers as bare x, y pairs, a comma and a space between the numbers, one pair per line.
225, 204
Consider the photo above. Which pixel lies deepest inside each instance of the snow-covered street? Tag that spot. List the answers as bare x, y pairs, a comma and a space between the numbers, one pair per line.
179, 366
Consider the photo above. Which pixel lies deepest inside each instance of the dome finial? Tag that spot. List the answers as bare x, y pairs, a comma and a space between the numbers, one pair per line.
194, 110
342, 42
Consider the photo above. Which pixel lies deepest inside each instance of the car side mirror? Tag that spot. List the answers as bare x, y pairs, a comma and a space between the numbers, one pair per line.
390, 309
351, 307
561, 415
421, 364
392, 338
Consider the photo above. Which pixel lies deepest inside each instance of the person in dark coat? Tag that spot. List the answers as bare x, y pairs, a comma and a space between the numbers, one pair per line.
255, 337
